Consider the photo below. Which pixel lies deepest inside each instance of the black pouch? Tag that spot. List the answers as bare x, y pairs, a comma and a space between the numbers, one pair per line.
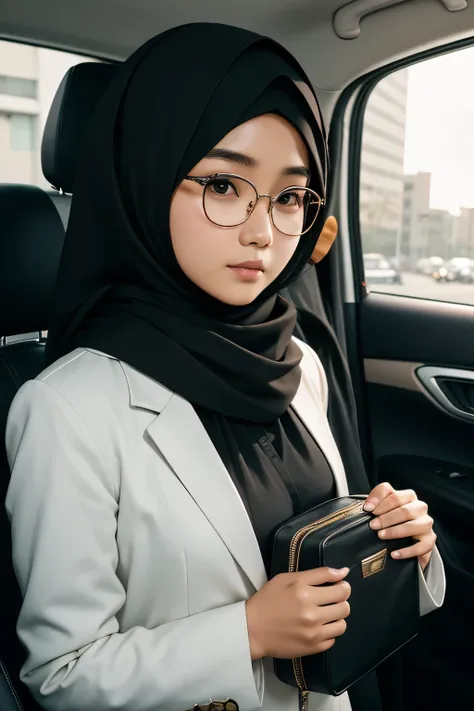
384, 601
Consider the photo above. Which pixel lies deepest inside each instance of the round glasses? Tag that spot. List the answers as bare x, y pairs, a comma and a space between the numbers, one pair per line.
228, 200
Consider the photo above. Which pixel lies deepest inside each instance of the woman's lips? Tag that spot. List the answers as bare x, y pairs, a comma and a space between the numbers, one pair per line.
248, 271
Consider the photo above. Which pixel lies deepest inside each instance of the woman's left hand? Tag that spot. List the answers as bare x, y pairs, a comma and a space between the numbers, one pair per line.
400, 514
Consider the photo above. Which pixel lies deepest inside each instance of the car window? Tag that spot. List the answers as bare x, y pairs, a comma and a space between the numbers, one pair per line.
29, 77
417, 181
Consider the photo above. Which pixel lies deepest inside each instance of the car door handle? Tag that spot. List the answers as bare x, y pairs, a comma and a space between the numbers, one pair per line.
452, 389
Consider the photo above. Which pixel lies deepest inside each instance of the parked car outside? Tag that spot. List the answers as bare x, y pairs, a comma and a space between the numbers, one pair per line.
378, 270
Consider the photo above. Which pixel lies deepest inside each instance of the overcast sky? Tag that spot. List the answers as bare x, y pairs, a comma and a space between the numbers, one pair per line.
440, 127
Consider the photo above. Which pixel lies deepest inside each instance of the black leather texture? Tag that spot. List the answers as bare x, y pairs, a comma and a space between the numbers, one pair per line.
31, 241
9, 700
68, 118
384, 603
19, 362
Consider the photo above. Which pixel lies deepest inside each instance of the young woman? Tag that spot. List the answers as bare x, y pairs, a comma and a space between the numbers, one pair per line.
178, 422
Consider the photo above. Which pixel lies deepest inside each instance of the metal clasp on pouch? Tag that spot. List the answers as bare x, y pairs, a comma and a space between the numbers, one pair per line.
227, 705
374, 563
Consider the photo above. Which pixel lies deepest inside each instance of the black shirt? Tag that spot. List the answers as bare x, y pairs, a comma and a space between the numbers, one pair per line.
278, 469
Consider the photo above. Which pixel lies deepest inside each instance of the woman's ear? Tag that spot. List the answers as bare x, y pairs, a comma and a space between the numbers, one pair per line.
325, 240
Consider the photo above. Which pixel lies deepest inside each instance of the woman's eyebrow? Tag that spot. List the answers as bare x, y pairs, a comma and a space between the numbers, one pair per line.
249, 162
298, 170
234, 156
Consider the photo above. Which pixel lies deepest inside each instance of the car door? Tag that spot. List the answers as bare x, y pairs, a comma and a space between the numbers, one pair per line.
402, 139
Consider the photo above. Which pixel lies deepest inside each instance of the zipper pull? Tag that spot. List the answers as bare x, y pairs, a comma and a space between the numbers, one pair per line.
304, 700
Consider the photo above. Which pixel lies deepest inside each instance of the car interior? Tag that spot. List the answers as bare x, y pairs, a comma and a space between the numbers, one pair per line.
408, 342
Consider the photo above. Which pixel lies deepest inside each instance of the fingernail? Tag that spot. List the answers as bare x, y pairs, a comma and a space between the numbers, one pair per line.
375, 524
396, 554
370, 505
339, 571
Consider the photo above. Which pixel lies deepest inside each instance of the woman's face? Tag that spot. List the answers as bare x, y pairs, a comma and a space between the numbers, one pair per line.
273, 156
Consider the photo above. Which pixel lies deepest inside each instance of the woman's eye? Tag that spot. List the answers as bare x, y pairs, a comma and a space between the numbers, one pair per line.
289, 199
222, 187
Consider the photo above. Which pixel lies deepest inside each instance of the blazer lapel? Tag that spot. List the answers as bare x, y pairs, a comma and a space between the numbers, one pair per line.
183, 441
181, 438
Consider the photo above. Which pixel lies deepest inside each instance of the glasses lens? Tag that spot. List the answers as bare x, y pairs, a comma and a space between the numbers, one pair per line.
228, 201
295, 211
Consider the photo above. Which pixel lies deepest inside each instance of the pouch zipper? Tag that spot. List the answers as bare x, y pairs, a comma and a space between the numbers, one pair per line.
304, 700
295, 548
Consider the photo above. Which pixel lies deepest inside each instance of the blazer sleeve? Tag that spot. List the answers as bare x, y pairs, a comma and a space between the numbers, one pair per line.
432, 582
63, 509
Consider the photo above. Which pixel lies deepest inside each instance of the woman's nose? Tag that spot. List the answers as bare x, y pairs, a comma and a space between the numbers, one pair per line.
258, 229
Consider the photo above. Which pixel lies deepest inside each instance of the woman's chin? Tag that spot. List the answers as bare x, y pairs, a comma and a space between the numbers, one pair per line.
239, 297
233, 294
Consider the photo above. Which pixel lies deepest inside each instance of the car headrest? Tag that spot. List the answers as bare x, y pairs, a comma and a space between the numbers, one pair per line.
72, 107
31, 240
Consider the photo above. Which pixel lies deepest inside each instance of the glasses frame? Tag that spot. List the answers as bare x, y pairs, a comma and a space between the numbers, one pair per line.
207, 180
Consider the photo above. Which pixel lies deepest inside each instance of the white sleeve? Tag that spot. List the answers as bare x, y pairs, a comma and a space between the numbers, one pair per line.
63, 510
432, 584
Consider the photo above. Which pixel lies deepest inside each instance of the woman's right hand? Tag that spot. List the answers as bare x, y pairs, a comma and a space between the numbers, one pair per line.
296, 614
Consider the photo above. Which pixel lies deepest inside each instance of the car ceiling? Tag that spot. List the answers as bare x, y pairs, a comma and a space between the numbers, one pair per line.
114, 28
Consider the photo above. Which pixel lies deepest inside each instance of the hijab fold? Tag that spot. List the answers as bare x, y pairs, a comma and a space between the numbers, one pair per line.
120, 288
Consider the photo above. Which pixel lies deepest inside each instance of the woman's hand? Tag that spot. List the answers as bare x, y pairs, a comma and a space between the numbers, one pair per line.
399, 515
292, 617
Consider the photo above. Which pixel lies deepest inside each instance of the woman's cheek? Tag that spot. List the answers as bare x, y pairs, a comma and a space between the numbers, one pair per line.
283, 253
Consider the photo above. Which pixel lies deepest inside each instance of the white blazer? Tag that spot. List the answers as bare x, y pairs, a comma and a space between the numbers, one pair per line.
133, 549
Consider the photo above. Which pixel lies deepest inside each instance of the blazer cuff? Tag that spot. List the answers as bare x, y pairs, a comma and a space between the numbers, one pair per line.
432, 584
223, 651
